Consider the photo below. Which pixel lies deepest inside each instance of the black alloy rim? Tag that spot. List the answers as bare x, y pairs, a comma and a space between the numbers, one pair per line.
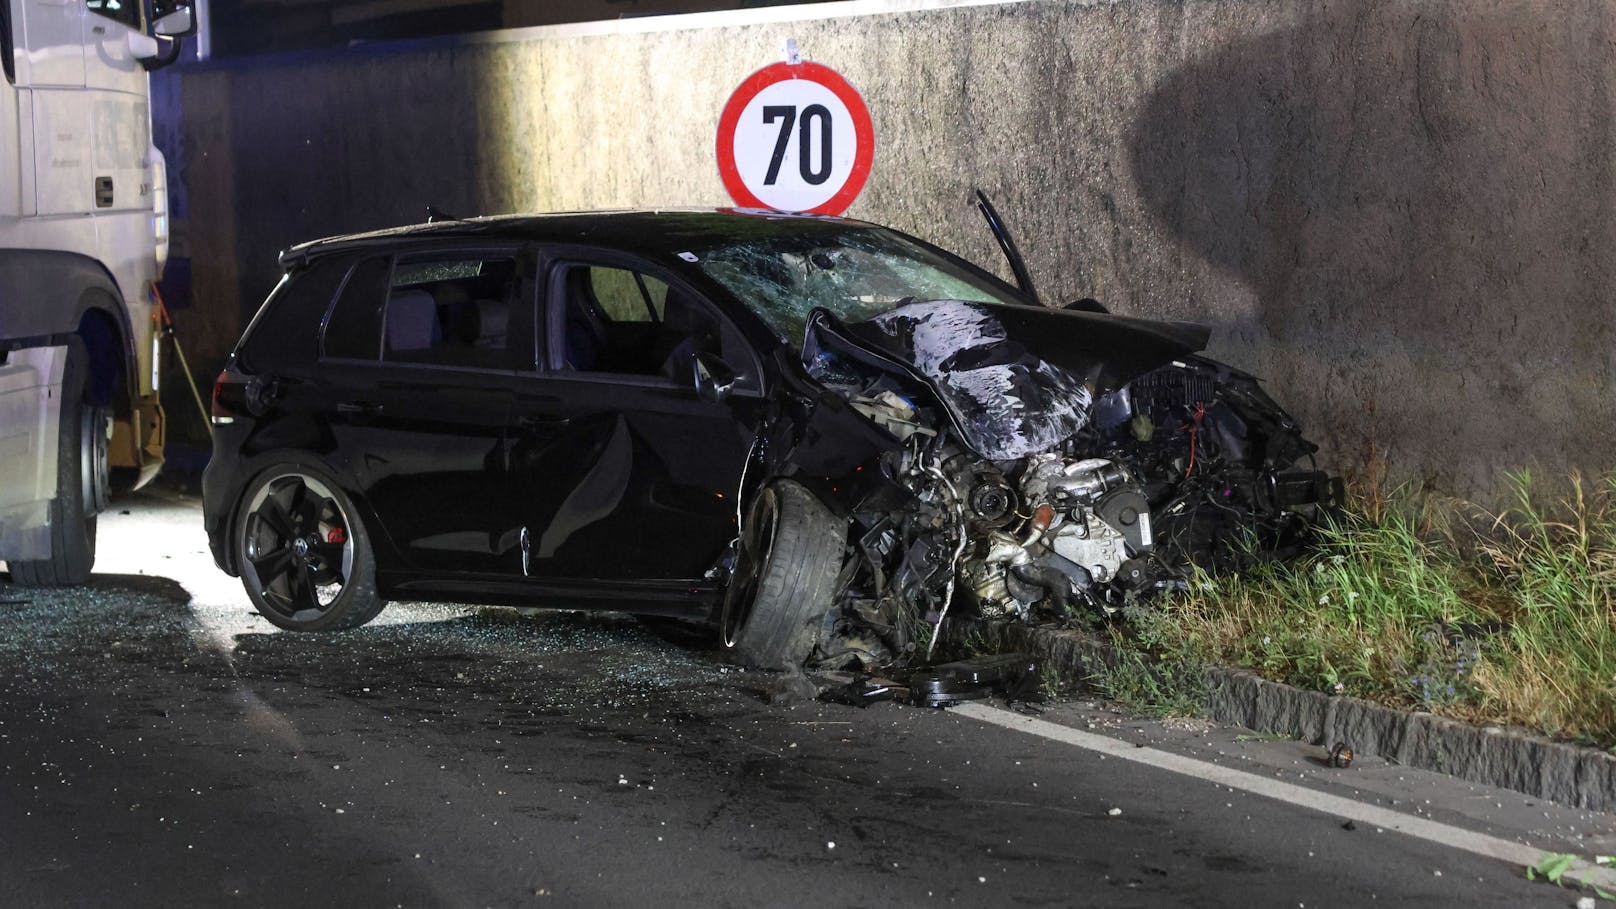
298, 547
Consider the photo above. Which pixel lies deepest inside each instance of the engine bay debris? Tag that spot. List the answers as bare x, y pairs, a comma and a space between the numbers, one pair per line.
1046, 465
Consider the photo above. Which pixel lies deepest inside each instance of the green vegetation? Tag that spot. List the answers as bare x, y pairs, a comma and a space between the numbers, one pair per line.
1150, 686
1420, 603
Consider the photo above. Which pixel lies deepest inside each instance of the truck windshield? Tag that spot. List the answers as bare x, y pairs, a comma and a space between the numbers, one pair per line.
125, 11
856, 274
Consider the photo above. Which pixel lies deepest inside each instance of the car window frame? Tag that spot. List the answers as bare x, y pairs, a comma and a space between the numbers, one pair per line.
552, 261
522, 313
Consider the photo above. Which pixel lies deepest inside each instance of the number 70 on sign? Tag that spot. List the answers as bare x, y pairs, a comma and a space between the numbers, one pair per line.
795, 137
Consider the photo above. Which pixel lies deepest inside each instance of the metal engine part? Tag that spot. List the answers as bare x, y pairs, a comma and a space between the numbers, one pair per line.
988, 577
1090, 542
1087, 480
1089, 517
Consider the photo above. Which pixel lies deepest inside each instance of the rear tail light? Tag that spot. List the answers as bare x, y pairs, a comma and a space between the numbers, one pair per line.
229, 398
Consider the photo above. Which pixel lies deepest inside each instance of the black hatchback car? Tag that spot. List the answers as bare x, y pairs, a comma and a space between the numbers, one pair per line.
818, 434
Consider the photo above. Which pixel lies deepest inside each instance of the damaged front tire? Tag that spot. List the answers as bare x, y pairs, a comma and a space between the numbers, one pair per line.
785, 574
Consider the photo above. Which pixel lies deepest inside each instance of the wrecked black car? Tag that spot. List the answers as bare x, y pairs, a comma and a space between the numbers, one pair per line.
821, 436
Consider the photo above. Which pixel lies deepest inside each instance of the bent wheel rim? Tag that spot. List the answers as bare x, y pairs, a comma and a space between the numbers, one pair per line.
297, 547
757, 544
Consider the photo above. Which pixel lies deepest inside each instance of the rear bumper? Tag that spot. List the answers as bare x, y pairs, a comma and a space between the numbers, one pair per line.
221, 488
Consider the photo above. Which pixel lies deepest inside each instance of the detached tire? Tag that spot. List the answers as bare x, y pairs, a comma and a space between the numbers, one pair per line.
790, 553
305, 557
82, 478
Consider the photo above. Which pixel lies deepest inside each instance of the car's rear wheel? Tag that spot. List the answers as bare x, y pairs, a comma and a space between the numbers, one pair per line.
304, 554
785, 573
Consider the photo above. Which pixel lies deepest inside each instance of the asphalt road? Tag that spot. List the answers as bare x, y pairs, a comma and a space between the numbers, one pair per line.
162, 746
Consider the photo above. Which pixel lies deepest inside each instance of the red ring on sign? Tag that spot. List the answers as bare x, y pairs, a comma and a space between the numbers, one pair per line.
863, 133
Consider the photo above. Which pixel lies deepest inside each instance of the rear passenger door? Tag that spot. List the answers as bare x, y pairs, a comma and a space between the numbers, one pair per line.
419, 353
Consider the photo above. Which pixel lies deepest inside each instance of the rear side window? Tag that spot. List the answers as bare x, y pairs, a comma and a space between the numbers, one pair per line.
286, 331
446, 311
354, 328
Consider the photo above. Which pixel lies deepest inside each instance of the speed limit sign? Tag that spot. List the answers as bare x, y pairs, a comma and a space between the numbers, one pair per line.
795, 137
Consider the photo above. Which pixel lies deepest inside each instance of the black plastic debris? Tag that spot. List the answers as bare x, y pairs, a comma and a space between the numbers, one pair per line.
1014, 676
858, 689
1340, 755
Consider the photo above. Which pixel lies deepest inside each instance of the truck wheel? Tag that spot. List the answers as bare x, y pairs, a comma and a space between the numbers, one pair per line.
82, 478
790, 553
305, 556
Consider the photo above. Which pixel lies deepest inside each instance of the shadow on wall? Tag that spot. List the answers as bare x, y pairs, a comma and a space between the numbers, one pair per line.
1419, 197
336, 144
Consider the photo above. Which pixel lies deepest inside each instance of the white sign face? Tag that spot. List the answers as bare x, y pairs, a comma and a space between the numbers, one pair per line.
795, 138
794, 145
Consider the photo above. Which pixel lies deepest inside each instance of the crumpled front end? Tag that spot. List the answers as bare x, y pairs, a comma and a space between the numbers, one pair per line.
1046, 478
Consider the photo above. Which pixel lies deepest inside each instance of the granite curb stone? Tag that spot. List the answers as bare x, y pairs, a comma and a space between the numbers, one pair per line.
1508, 758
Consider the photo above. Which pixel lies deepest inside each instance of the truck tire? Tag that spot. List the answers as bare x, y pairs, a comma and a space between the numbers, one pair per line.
304, 554
791, 551
81, 480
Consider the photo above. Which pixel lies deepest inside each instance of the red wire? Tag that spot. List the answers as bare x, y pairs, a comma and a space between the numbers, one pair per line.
1194, 427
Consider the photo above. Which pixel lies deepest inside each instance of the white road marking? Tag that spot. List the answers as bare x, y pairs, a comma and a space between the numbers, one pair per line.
1517, 854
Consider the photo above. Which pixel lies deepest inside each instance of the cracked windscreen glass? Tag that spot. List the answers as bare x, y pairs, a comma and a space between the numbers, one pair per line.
855, 275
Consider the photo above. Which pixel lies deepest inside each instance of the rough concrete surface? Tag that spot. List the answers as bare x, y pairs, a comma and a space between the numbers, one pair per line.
1398, 213
1494, 756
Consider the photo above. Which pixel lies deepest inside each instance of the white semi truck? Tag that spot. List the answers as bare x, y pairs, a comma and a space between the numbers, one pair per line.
83, 234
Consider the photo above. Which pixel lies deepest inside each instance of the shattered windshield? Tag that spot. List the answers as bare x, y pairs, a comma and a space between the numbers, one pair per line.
855, 274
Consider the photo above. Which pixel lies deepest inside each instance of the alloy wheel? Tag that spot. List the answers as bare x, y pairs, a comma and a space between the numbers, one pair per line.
299, 551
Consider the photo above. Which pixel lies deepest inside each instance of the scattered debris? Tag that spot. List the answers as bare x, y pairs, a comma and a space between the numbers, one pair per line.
858, 690
1349, 825
1551, 867
1114, 812
1014, 675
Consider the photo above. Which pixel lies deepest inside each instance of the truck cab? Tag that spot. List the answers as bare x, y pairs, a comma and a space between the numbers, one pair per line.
83, 236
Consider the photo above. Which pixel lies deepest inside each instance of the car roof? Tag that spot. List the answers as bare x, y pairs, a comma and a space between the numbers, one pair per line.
669, 231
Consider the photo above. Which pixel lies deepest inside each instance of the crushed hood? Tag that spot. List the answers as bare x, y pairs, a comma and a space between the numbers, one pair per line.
1015, 380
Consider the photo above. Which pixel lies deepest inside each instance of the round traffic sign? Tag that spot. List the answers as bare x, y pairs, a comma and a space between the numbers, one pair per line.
795, 137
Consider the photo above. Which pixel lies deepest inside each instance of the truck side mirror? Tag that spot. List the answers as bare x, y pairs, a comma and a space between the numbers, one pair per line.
172, 19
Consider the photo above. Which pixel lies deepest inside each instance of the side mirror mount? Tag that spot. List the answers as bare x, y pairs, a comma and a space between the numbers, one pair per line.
713, 377
1087, 304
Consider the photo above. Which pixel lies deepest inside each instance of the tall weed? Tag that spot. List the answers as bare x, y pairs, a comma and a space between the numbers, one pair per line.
1509, 620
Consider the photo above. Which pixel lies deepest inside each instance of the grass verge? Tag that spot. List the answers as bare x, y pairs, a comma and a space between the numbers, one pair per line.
1427, 604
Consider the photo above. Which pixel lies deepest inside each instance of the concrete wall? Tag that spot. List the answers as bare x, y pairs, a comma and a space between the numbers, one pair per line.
1398, 213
